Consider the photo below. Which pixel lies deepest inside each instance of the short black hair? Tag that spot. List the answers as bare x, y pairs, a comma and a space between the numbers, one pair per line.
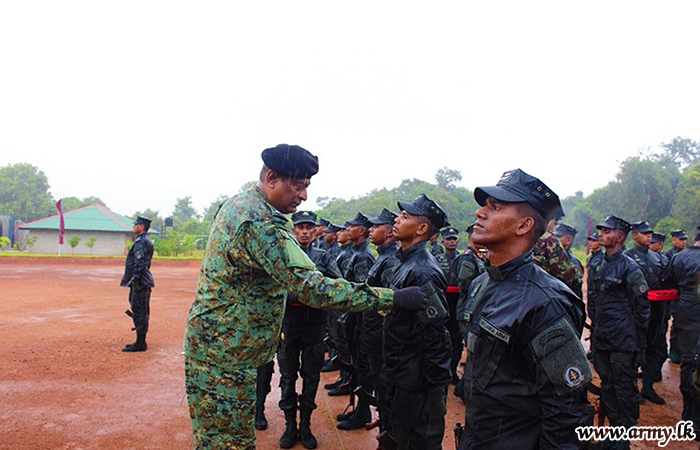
540, 226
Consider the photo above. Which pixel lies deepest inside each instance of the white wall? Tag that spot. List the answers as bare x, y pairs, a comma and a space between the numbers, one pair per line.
108, 243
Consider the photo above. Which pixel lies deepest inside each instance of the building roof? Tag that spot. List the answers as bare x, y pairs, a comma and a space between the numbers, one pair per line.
88, 218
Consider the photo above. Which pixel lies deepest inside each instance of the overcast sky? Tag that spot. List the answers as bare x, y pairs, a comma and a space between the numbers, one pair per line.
140, 103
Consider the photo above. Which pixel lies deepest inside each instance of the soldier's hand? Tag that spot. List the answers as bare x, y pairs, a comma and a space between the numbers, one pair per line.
410, 298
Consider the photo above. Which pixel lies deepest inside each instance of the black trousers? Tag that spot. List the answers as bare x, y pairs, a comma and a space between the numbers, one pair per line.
263, 380
455, 334
416, 418
140, 304
300, 353
689, 347
619, 391
657, 347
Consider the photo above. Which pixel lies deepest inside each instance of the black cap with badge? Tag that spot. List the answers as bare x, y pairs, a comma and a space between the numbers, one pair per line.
563, 229
361, 220
423, 206
291, 161
615, 223
657, 237
679, 234
145, 221
332, 228
642, 226
516, 186
386, 217
450, 233
303, 217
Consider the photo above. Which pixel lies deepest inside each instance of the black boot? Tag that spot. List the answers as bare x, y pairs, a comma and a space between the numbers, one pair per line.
139, 345
289, 437
648, 391
307, 438
260, 420
361, 416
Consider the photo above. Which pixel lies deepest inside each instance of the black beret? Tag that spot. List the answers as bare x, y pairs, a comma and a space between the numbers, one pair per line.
361, 220
303, 217
423, 206
386, 217
450, 232
563, 229
657, 237
516, 186
680, 234
642, 227
615, 223
291, 161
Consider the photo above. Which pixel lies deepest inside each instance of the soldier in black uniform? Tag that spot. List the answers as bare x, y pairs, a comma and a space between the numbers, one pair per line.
656, 351
371, 336
137, 277
331, 240
357, 270
417, 346
449, 263
435, 247
301, 346
679, 238
619, 309
657, 243
526, 370
683, 272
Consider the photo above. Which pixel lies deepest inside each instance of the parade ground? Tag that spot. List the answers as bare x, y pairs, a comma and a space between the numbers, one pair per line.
66, 384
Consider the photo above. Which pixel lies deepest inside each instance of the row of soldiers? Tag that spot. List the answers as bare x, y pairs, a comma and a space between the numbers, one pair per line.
628, 330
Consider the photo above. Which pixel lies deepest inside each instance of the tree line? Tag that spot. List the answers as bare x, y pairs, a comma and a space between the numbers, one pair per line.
662, 187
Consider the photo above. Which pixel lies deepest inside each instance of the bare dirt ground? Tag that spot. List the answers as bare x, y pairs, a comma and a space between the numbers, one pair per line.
65, 384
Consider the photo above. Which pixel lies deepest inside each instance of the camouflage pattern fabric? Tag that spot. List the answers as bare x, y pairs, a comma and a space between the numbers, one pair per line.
251, 262
551, 256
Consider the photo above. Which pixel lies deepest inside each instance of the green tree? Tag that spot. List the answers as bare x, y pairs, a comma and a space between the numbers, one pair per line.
73, 242
24, 192
71, 203
4, 242
91, 243
183, 212
680, 152
686, 205
447, 177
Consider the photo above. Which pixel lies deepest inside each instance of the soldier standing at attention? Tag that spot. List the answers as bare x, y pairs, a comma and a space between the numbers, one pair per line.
252, 260
137, 277
331, 239
679, 239
657, 243
526, 370
619, 311
448, 262
301, 349
435, 247
417, 347
655, 353
683, 272
566, 234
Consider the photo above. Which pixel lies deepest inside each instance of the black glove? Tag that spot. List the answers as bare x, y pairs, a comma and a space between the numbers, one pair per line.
410, 298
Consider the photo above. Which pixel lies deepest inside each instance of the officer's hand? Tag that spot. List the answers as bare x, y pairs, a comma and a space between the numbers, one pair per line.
410, 298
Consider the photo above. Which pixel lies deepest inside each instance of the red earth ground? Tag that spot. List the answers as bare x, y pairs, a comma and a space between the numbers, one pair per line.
65, 384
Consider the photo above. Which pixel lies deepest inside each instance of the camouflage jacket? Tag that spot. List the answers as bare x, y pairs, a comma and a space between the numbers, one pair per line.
551, 256
252, 260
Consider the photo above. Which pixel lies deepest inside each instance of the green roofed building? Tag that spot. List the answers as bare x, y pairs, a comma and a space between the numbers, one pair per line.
111, 232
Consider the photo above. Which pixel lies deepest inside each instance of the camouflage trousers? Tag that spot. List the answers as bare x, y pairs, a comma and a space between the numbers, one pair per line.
221, 405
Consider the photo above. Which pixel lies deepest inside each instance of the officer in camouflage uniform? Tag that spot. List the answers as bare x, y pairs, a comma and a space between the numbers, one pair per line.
551, 256
566, 234
656, 352
303, 329
137, 277
449, 263
526, 370
251, 262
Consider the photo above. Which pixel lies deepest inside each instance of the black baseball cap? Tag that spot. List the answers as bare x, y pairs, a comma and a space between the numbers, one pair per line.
658, 237
303, 217
615, 223
423, 206
360, 219
450, 232
642, 227
563, 229
516, 186
386, 217
679, 234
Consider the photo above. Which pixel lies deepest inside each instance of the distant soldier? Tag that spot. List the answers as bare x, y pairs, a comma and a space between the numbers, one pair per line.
435, 247
331, 240
619, 311
566, 234
416, 344
137, 277
320, 234
679, 238
551, 256
657, 244
357, 270
526, 371
251, 262
595, 248
655, 353
301, 349
449, 263
683, 272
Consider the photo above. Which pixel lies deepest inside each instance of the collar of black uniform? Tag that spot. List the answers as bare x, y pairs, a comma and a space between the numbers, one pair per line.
405, 255
502, 272
393, 245
615, 255
642, 248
